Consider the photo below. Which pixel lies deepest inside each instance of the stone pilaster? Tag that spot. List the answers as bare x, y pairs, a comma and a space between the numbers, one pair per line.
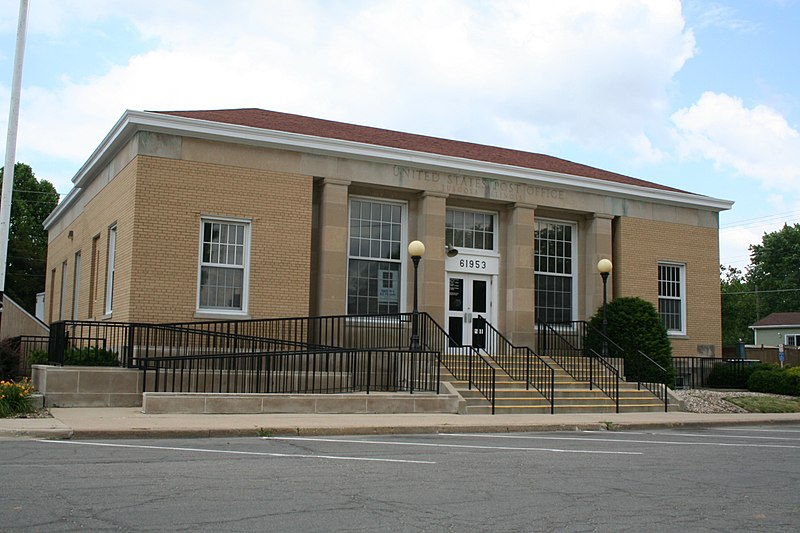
330, 294
517, 270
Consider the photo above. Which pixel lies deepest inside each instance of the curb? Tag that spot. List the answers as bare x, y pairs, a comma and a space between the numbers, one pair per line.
47, 434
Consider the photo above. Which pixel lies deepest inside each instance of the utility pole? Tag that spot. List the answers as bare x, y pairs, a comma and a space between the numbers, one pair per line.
11, 145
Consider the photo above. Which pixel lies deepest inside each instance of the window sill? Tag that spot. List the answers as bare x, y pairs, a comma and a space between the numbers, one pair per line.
677, 335
106, 317
222, 316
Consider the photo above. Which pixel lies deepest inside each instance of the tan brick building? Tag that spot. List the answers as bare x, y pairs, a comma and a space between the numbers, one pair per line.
248, 213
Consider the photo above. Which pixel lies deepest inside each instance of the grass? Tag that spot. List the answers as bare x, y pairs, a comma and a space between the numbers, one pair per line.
767, 404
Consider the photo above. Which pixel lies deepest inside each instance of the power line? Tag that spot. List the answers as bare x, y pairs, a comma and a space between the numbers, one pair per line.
762, 221
773, 215
761, 292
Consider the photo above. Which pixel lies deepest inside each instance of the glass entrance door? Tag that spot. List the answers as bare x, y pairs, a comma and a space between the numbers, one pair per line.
468, 306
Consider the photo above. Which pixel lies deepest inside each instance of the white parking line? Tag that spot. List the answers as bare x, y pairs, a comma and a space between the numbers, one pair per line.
436, 445
625, 441
235, 452
703, 435
763, 430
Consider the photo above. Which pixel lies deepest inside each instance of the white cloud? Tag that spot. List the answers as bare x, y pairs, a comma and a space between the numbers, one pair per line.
516, 73
754, 142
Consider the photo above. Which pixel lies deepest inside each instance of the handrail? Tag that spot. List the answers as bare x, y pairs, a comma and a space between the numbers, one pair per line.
294, 371
658, 388
659, 391
464, 362
506, 355
578, 363
392, 332
640, 361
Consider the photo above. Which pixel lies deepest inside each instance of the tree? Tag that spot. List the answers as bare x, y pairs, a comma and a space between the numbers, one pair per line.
31, 203
738, 307
775, 267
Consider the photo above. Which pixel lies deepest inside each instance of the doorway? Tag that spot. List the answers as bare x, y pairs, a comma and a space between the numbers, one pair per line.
469, 305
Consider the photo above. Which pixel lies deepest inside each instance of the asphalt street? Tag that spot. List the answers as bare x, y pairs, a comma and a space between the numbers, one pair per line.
718, 479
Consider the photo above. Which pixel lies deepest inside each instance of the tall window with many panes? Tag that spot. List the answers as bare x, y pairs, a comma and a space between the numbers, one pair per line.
554, 267
672, 297
374, 257
224, 256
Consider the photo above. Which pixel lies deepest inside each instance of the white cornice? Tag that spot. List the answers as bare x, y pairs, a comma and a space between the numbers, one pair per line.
134, 121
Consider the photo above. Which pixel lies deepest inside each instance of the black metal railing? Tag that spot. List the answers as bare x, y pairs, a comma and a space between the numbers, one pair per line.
564, 345
130, 341
134, 342
520, 363
633, 366
694, 372
299, 372
465, 363
89, 343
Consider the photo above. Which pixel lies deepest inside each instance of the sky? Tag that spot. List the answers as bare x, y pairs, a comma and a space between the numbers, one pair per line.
698, 95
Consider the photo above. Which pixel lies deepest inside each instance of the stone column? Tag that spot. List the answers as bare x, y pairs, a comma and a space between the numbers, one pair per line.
598, 246
430, 220
517, 270
330, 283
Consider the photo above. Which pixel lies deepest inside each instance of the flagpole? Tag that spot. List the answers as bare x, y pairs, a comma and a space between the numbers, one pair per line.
11, 145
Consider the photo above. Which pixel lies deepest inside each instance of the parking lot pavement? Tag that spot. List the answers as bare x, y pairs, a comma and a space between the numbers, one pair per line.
728, 478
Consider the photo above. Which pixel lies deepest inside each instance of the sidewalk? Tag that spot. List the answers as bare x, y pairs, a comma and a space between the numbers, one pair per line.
111, 422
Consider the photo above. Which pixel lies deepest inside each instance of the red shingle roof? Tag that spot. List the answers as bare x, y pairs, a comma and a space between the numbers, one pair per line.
271, 120
779, 319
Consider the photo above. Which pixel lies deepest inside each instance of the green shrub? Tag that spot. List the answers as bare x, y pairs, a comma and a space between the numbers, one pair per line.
15, 398
9, 359
37, 357
775, 380
635, 326
90, 357
732, 375
78, 357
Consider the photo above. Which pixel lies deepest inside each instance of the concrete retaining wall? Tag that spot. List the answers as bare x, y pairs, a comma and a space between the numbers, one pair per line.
359, 403
76, 386
88, 386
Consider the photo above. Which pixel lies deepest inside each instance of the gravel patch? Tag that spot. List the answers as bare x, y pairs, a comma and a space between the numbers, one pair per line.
711, 401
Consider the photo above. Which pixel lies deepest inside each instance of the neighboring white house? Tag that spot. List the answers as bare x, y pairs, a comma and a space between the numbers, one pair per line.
778, 328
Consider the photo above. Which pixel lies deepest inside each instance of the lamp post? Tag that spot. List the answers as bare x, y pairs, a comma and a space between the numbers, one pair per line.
416, 250
604, 266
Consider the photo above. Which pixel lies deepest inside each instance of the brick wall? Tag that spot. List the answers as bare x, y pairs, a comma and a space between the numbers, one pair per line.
115, 205
157, 204
172, 197
639, 245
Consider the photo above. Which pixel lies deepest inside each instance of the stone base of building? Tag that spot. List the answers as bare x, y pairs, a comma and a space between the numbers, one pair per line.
76, 386
356, 403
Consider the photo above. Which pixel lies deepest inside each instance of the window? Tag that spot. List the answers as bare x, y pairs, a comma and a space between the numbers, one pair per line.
469, 229
63, 290
553, 264
93, 275
52, 295
672, 297
793, 340
374, 257
76, 283
224, 265
112, 251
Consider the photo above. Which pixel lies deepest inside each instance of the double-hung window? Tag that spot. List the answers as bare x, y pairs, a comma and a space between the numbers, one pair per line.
554, 270
224, 268
110, 266
672, 297
374, 257
793, 339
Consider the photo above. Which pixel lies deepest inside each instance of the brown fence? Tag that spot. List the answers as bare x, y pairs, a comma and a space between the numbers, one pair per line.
766, 354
